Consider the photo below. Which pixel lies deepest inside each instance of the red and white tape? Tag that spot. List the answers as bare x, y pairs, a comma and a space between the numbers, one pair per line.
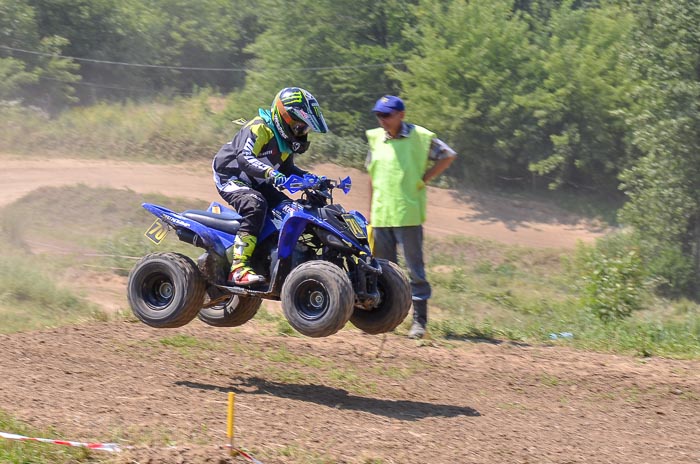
111, 447
244, 455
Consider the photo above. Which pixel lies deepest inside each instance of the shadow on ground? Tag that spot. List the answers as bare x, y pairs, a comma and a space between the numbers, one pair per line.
340, 399
517, 212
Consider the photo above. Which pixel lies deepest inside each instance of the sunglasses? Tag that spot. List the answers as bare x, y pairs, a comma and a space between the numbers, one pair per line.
383, 115
300, 128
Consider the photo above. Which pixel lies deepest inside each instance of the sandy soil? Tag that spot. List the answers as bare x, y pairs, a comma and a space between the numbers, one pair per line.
350, 398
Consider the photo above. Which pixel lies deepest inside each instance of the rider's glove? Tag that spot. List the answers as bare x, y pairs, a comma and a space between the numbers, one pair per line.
324, 183
276, 177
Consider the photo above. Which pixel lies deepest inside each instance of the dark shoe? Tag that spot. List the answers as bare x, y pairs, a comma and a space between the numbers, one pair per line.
417, 331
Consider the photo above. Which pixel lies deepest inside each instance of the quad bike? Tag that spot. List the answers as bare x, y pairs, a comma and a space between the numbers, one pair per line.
314, 254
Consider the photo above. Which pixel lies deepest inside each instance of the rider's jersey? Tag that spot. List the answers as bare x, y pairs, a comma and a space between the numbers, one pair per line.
245, 160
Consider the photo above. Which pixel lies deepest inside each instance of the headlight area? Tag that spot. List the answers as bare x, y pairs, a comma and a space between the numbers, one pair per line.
333, 240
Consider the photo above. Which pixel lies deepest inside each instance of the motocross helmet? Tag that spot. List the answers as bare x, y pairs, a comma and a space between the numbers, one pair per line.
295, 113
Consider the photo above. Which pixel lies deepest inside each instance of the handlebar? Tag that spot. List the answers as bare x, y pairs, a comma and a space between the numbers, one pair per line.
296, 183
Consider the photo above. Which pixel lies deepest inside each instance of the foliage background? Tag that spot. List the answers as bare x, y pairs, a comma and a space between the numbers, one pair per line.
589, 96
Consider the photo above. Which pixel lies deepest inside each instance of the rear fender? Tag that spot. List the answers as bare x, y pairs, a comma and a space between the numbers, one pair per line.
213, 239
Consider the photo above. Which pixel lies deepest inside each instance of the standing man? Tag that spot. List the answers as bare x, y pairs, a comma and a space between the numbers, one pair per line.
399, 154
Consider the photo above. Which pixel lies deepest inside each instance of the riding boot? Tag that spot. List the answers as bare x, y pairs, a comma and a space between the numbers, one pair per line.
241, 272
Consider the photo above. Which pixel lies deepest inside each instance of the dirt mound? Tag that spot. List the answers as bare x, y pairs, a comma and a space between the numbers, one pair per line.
449, 212
349, 398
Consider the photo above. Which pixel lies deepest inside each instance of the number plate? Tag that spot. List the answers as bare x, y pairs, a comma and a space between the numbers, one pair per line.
354, 226
157, 232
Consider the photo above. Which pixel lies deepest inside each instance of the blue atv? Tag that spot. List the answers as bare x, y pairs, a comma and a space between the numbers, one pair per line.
315, 255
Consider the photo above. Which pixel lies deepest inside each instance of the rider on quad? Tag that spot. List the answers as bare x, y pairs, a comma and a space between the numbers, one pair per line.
259, 158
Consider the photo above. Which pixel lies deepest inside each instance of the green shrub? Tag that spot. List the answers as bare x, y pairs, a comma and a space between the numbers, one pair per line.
673, 269
613, 278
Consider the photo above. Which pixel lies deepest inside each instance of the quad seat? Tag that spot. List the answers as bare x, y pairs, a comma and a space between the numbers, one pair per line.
225, 221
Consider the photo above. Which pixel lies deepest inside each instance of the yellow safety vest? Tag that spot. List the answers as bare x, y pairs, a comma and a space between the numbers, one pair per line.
396, 168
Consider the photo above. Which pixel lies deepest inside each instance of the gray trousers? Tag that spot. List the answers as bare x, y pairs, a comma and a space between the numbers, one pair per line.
410, 238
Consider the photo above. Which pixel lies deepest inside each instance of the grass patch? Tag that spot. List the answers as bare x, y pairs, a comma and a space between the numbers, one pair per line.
283, 355
399, 373
97, 229
299, 455
187, 342
16, 452
490, 292
30, 300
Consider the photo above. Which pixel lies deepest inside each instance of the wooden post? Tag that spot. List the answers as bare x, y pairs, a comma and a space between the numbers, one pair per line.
229, 423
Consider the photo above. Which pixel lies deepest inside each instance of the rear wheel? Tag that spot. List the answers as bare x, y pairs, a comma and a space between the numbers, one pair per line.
235, 311
317, 298
394, 303
165, 290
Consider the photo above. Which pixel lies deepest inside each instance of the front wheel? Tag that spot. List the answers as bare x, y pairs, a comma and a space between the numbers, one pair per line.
317, 298
394, 303
235, 311
165, 290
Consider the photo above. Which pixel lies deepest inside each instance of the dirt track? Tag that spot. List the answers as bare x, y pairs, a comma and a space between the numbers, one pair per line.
463, 403
449, 213
350, 398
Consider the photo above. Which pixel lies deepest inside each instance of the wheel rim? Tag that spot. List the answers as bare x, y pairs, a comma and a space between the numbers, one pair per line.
311, 299
158, 291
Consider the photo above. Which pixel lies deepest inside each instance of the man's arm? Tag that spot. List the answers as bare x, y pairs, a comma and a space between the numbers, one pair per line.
437, 168
443, 156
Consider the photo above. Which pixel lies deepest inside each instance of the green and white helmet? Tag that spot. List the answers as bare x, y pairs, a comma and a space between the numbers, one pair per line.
295, 113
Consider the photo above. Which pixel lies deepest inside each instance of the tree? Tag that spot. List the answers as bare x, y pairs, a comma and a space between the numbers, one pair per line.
13, 76
37, 79
579, 104
210, 34
339, 54
129, 31
663, 185
17, 27
471, 62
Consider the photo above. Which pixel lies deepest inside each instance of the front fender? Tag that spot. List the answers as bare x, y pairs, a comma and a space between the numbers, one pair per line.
294, 225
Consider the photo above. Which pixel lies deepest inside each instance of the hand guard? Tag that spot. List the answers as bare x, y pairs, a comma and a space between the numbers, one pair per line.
313, 178
321, 182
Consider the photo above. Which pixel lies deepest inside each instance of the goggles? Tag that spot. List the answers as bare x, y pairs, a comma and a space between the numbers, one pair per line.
299, 128
381, 115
